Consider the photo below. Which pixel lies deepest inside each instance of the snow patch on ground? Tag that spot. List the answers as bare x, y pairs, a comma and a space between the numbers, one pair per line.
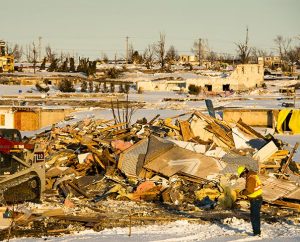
231, 229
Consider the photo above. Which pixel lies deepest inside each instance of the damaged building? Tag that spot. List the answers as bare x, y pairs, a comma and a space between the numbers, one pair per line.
31, 118
243, 77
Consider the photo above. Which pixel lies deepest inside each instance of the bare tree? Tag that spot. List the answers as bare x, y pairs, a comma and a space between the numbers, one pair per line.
244, 50
32, 54
130, 53
28, 53
212, 56
289, 53
160, 50
200, 48
148, 56
172, 55
16, 51
283, 46
137, 58
104, 58
256, 52
50, 54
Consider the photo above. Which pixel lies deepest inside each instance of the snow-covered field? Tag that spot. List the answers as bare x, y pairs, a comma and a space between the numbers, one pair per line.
231, 229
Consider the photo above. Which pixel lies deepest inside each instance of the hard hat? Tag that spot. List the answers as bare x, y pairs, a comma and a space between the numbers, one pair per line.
240, 170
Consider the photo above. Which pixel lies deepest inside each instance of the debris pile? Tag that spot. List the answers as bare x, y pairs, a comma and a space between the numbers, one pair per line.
184, 163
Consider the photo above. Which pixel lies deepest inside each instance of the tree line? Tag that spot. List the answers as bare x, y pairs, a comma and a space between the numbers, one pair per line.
287, 48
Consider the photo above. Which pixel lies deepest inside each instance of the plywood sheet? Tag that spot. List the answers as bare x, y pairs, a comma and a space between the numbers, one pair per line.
26, 120
274, 188
181, 160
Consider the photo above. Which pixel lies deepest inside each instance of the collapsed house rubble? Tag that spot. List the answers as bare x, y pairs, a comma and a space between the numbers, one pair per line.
187, 164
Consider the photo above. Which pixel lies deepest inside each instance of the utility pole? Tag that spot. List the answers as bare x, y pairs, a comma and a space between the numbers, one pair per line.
40, 48
34, 56
127, 49
247, 38
199, 49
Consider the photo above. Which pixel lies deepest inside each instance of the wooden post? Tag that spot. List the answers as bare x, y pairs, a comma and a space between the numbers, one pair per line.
130, 220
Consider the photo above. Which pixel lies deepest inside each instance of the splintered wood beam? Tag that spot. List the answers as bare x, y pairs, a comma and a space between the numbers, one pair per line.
96, 155
99, 162
152, 120
168, 123
287, 204
247, 129
112, 127
290, 158
77, 189
186, 131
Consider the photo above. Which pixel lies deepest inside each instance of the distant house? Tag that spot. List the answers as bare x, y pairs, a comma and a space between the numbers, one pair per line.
243, 77
161, 85
193, 60
188, 59
273, 62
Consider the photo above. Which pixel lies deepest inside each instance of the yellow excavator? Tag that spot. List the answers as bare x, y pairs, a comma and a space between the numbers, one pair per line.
6, 60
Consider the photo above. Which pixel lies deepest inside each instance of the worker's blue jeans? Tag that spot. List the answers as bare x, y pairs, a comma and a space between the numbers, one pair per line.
255, 205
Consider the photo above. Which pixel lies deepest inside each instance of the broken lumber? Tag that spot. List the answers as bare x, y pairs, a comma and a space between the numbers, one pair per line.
287, 204
284, 168
186, 131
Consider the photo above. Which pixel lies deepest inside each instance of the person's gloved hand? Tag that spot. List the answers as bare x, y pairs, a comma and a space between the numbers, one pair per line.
242, 194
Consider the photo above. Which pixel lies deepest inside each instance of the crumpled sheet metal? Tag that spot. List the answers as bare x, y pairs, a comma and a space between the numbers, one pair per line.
181, 160
234, 160
129, 159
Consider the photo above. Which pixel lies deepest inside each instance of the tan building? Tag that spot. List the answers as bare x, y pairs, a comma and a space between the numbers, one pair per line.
193, 60
243, 77
31, 118
273, 62
189, 59
161, 85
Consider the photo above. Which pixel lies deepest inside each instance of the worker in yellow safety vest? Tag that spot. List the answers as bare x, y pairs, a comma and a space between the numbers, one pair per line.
253, 190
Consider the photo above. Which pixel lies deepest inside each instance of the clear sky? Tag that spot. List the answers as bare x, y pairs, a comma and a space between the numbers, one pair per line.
93, 27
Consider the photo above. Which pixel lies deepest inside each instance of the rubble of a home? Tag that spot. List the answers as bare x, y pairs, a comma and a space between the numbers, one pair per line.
97, 171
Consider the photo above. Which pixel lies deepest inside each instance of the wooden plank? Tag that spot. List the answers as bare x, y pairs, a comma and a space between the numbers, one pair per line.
247, 129
112, 127
100, 122
152, 120
222, 135
262, 166
58, 231
106, 154
168, 123
97, 159
287, 204
53, 212
81, 218
186, 131
279, 155
77, 189
290, 158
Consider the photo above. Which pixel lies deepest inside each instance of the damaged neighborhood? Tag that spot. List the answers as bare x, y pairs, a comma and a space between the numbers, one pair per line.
143, 128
